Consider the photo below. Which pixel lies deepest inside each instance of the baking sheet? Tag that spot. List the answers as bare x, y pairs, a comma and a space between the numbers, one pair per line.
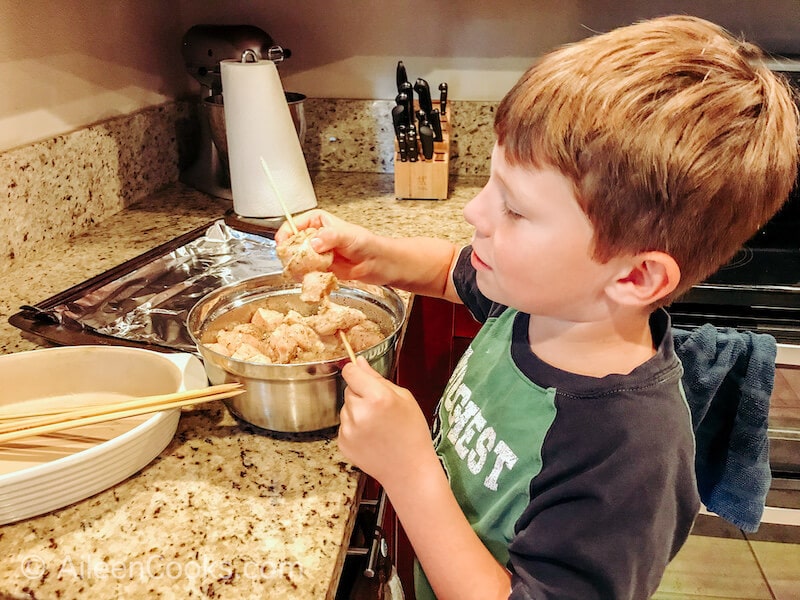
148, 304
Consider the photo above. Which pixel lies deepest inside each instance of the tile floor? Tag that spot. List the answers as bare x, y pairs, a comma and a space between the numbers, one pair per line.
719, 562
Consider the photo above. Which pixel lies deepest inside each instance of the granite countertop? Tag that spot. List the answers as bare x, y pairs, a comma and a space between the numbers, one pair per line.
222, 512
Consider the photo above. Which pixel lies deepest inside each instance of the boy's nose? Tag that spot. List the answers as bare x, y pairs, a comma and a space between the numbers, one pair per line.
469, 210
475, 212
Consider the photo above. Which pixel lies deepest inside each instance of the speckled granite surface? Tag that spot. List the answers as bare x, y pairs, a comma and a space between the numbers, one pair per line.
63, 185
222, 512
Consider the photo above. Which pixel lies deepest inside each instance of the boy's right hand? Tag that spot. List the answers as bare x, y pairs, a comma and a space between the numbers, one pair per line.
353, 246
421, 265
383, 430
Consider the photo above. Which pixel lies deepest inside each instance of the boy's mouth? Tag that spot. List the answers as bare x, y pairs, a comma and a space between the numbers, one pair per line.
477, 262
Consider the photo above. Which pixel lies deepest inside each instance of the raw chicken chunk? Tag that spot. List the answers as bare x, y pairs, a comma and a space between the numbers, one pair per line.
333, 317
267, 319
232, 339
218, 348
299, 258
292, 339
250, 354
364, 335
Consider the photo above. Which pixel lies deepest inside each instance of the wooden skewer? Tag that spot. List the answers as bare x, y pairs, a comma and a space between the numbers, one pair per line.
120, 410
19, 414
125, 403
347, 345
278, 194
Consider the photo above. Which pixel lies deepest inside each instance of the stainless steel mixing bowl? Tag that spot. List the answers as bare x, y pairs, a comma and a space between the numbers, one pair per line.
290, 398
213, 109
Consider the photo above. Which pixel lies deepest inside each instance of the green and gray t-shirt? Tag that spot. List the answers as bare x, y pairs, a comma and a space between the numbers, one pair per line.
583, 487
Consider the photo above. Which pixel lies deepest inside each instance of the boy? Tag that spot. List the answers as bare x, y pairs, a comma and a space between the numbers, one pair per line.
628, 167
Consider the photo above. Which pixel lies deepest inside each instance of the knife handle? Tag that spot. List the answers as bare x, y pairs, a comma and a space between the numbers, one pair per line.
443, 98
401, 75
402, 144
422, 119
399, 118
411, 144
424, 93
436, 125
426, 141
408, 102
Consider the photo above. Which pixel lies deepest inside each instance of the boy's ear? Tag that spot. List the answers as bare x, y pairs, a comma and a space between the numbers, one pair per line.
647, 278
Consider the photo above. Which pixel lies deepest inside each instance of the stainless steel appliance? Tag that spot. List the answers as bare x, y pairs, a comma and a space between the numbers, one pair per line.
203, 47
759, 290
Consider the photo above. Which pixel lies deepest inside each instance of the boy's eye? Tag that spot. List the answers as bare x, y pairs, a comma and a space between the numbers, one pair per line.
510, 212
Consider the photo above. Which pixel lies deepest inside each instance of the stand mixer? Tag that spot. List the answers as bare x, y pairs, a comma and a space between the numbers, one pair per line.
204, 46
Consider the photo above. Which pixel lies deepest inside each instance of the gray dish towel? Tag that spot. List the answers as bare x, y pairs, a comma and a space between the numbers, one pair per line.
728, 379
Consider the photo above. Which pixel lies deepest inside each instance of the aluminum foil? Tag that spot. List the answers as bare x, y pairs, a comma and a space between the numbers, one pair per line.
150, 304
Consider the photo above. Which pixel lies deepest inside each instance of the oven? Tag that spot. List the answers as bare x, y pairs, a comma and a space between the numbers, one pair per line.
759, 290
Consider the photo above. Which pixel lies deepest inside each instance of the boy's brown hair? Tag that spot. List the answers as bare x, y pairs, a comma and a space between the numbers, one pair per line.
676, 138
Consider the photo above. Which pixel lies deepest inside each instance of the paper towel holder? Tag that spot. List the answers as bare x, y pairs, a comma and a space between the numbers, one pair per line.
274, 54
203, 47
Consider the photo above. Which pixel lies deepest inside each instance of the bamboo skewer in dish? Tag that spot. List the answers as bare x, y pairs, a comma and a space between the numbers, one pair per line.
12, 414
19, 427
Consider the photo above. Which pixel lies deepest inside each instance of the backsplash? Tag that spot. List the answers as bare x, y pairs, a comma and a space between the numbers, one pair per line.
59, 187
357, 136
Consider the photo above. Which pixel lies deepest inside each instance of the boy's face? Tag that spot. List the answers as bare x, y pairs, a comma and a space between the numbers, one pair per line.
532, 244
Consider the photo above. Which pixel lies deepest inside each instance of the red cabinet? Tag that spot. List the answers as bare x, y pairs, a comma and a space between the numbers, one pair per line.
437, 334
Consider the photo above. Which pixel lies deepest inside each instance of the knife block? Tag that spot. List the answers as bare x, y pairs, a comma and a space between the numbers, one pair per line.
424, 179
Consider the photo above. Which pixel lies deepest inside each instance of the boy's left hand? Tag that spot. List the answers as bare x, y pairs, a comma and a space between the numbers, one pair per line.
383, 431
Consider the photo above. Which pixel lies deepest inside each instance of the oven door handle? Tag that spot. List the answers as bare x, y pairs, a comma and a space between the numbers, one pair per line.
376, 546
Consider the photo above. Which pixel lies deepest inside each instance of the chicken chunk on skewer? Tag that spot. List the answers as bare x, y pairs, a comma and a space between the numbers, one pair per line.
364, 335
299, 258
317, 286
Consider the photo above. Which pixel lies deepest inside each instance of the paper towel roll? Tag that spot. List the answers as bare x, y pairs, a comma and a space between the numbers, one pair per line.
258, 124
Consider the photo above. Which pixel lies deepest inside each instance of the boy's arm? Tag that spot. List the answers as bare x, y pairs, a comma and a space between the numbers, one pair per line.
455, 561
384, 432
420, 265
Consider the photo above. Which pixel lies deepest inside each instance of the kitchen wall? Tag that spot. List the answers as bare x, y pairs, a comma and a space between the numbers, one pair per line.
67, 64
75, 62
348, 48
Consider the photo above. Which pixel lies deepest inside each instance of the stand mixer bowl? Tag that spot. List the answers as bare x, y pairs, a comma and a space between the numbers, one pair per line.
213, 110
